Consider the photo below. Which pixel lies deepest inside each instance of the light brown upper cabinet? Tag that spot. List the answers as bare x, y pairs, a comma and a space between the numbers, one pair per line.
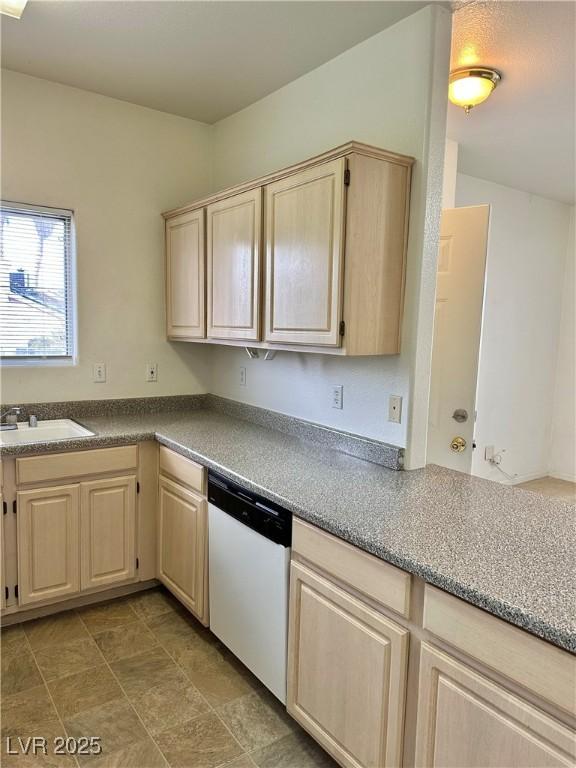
185, 276
234, 251
331, 267
304, 253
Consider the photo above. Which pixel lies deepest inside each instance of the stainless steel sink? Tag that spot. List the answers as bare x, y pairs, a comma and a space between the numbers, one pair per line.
46, 431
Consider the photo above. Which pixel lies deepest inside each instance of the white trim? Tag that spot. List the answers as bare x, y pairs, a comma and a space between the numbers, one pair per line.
11, 205
32, 362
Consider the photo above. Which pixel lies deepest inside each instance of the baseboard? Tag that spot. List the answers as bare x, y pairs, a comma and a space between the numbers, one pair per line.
529, 476
37, 612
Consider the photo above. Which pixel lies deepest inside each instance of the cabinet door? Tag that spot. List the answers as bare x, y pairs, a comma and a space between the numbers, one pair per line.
304, 256
48, 526
467, 721
2, 559
233, 243
346, 672
182, 543
108, 531
185, 281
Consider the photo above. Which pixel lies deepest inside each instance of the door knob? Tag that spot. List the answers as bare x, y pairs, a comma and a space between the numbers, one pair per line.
460, 415
458, 444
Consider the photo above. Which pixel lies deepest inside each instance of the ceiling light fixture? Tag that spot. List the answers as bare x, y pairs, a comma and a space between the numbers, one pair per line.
471, 86
13, 8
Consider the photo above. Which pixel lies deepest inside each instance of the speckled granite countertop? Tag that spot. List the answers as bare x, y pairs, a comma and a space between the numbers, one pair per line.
507, 550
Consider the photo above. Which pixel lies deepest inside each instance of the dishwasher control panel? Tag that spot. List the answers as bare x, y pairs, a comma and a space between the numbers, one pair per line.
263, 516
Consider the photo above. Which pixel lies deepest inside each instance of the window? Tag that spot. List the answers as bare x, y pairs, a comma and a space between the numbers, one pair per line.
36, 293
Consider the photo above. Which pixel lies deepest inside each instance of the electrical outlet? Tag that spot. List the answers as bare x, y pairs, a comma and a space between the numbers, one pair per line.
338, 397
489, 453
151, 371
395, 409
242, 376
99, 373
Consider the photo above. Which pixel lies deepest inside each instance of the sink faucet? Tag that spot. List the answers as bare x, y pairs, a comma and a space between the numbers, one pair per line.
11, 418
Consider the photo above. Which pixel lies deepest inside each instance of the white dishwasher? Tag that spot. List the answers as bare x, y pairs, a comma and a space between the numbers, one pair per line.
249, 560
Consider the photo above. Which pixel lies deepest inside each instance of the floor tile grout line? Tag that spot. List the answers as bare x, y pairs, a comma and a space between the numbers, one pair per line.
146, 730
212, 709
60, 719
170, 651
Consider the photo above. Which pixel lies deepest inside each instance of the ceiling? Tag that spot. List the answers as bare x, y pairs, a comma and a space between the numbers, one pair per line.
202, 60
205, 60
524, 135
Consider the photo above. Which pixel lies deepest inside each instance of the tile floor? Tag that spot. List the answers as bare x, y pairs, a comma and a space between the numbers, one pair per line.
158, 688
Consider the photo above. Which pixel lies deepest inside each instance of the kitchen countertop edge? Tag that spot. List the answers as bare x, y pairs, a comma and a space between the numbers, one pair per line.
511, 614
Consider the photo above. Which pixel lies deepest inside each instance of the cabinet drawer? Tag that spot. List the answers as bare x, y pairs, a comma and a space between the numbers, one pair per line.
376, 579
540, 667
55, 466
184, 470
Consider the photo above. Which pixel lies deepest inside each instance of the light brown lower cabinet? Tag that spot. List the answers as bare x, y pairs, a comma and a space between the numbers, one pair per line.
182, 545
48, 543
467, 721
107, 531
473, 691
346, 672
75, 537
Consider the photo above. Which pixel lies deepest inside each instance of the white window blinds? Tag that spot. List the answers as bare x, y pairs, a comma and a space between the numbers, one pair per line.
36, 293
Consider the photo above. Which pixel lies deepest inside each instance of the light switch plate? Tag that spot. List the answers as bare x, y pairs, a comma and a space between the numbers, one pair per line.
338, 397
99, 373
395, 409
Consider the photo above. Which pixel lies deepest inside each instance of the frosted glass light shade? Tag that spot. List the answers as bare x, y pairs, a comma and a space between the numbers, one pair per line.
471, 86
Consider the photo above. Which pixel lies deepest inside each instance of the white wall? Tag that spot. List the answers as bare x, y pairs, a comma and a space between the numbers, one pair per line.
563, 448
118, 166
390, 91
525, 273
450, 174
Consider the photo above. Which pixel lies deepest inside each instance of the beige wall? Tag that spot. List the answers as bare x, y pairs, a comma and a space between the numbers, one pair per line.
390, 91
117, 166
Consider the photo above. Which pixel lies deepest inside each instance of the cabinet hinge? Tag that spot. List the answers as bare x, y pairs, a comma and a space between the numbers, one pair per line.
347, 177
342, 327
5, 507
16, 590
6, 593
14, 506
137, 563
137, 487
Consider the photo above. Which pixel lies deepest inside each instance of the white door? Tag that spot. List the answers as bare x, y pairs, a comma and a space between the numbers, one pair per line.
457, 327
